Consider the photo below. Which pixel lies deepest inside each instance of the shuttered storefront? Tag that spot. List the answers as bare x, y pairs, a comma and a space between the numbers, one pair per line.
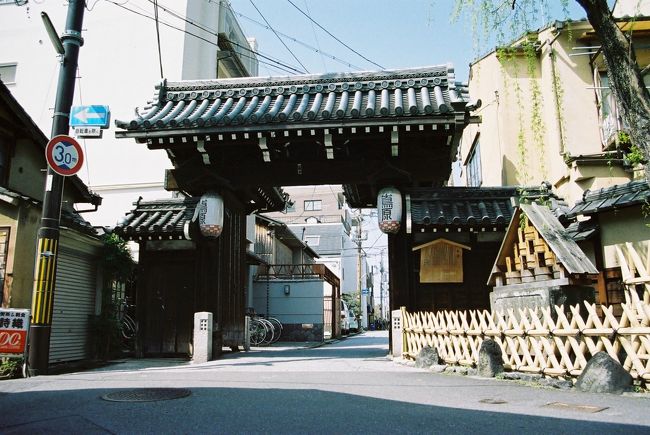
74, 303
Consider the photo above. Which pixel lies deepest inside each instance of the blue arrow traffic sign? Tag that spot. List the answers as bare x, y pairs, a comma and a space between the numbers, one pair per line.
84, 116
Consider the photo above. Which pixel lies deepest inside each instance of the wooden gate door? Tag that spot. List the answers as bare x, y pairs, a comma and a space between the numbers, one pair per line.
167, 303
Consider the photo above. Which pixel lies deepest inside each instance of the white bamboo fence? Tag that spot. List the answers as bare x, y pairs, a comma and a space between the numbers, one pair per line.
548, 341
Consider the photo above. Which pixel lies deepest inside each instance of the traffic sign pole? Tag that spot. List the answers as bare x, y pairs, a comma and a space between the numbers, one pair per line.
48, 233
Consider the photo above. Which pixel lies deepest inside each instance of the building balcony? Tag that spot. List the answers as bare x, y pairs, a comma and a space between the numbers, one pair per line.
296, 272
236, 57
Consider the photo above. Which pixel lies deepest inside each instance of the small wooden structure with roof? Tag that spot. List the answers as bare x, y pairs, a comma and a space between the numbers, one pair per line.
537, 253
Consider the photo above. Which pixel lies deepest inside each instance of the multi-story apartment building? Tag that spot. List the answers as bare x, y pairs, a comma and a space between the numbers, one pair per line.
119, 62
320, 216
548, 115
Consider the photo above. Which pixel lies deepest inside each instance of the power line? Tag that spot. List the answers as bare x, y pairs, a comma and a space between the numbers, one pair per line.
322, 58
337, 39
287, 69
297, 41
155, 7
278, 36
215, 33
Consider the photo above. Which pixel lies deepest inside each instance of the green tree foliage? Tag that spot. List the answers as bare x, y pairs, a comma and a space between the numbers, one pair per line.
504, 20
118, 266
352, 299
117, 262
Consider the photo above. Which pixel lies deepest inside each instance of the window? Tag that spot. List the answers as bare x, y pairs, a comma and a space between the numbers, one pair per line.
4, 244
610, 118
312, 240
8, 73
290, 207
313, 204
474, 178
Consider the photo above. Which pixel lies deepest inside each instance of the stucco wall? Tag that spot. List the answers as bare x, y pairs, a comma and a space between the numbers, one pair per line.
620, 226
119, 52
519, 149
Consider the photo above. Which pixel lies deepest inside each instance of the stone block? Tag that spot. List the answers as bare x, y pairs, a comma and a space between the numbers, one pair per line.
538, 295
603, 374
519, 376
438, 368
427, 357
561, 384
490, 362
202, 350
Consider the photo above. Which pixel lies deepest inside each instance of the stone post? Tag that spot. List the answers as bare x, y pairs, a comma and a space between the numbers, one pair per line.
396, 325
202, 337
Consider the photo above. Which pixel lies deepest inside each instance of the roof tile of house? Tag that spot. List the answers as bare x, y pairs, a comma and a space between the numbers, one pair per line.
610, 198
162, 219
318, 99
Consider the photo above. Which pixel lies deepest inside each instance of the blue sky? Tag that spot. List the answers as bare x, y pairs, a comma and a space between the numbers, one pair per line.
391, 33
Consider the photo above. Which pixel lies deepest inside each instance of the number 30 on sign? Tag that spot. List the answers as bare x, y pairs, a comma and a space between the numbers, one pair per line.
64, 155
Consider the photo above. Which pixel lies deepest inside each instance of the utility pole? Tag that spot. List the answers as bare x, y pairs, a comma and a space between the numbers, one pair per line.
48, 234
381, 286
361, 307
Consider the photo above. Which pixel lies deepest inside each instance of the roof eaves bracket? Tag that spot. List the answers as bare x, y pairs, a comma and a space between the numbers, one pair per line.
394, 142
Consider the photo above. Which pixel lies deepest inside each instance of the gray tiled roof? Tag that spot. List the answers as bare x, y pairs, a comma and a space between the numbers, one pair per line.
318, 99
462, 206
330, 242
163, 219
557, 238
582, 230
68, 218
609, 198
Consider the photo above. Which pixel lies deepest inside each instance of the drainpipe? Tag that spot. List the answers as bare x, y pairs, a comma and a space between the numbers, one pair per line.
556, 85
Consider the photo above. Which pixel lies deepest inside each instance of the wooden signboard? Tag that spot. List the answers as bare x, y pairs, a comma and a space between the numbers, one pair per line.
441, 261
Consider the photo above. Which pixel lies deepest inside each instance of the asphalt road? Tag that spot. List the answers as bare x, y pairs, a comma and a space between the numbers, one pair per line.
344, 387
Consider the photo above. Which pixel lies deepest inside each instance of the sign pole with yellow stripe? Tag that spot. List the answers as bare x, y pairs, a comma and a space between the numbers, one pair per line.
64, 158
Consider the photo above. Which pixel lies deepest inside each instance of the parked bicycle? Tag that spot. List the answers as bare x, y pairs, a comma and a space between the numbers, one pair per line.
128, 326
264, 330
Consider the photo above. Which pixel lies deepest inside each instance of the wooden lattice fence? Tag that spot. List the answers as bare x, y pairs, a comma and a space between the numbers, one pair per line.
551, 342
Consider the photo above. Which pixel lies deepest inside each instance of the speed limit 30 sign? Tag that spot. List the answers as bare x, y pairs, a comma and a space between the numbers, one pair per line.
64, 155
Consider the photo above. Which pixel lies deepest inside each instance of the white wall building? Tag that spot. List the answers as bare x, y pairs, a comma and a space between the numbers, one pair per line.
118, 67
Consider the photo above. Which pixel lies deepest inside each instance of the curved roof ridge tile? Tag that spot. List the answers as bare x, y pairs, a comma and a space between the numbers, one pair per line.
198, 112
315, 107
252, 105
208, 114
413, 73
172, 114
284, 114
229, 117
214, 119
271, 114
158, 116
259, 113
398, 102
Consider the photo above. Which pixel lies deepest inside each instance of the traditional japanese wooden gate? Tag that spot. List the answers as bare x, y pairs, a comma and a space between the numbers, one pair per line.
249, 136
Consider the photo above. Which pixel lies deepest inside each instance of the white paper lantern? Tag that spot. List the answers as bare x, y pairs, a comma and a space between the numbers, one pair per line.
389, 210
210, 215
